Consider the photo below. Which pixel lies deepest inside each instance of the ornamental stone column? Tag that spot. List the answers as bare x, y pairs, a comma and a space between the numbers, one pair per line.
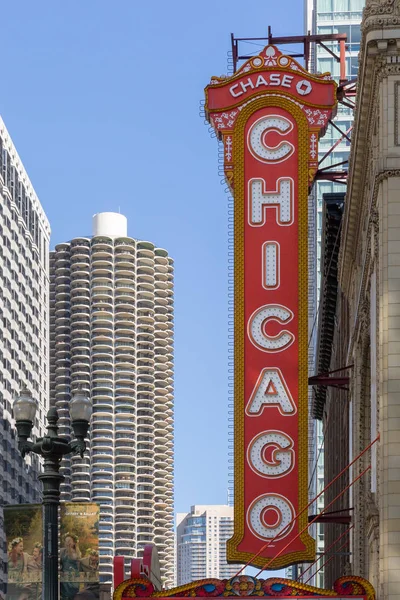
370, 266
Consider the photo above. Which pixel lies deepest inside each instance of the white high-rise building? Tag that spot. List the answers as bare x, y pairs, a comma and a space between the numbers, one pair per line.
327, 17
24, 347
201, 537
111, 330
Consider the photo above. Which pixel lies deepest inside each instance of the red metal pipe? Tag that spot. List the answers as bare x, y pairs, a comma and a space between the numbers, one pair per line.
324, 553
336, 176
326, 562
341, 519
342, 46
321, 380
337, 370
338, 141
311, 502
343, 162
313, 521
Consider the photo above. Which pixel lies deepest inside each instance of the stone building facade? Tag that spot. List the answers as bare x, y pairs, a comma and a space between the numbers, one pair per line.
366, 320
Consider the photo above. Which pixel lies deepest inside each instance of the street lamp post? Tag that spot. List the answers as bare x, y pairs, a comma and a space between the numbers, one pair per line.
52, 448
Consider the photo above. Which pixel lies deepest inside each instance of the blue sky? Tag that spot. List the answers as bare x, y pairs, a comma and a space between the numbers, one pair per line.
102, 102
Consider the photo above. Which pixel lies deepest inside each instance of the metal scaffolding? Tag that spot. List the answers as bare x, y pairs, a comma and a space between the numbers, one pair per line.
346, 90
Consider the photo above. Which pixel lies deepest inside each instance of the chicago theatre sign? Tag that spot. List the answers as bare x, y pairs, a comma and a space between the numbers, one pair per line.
269, 116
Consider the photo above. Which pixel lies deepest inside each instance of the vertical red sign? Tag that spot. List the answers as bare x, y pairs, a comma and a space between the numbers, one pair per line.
270, 114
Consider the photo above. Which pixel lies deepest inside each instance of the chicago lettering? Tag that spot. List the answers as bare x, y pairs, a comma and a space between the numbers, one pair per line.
271, 453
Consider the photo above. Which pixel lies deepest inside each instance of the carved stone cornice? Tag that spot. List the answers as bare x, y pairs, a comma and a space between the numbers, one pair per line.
379, 58
373, 527
363, 331
372, 518
378, 7
374, 67
370, 254
359, 158
380, 14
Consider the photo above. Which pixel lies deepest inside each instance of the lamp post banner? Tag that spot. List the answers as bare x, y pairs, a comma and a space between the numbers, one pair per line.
23, 525
79, 551
269, 116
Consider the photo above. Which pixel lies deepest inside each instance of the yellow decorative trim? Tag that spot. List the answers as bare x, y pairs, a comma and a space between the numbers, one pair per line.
239, 327
359, 585
318, 78
221, 588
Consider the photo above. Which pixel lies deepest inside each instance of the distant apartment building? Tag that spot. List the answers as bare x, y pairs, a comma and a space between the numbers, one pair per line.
24, 295
201, 537
111, 308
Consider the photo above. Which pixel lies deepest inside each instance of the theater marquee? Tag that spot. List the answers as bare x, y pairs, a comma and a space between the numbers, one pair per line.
269, 115
247, 588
